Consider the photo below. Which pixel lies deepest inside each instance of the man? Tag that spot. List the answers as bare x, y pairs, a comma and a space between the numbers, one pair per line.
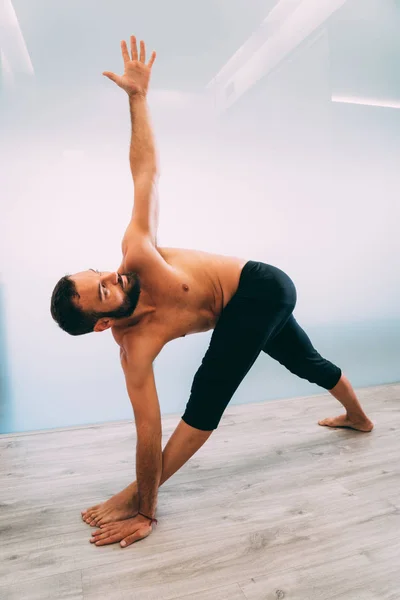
160, 294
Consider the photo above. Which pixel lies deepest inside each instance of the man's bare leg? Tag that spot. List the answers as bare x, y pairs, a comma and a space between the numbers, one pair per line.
183, 443
355, 417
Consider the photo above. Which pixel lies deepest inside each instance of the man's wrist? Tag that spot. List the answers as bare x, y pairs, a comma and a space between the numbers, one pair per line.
148, 517
137, 95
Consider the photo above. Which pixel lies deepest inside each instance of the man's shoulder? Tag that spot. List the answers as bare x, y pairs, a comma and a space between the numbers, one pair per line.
143, 337
143, 257
139, 352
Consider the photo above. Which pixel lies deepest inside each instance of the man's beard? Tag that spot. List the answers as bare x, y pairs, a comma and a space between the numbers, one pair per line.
131, 298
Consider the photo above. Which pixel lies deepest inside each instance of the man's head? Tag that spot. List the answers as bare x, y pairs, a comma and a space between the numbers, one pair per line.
93, 301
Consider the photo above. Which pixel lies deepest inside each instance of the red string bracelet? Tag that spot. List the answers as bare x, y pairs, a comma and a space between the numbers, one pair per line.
151, 519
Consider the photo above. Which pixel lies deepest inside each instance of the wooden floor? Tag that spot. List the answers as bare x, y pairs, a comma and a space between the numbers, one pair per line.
272, 507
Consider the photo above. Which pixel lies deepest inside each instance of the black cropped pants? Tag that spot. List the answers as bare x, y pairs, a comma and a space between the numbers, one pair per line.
258, 317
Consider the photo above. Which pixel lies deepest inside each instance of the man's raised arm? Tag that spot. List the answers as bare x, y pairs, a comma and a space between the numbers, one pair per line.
142, 155
144, 168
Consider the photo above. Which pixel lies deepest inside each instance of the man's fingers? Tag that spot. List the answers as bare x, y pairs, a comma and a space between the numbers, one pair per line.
111, 76
101, 532
125, 53
130, 539
138, 535
152, 59
103, 536
134, 48
111, 539
142, 52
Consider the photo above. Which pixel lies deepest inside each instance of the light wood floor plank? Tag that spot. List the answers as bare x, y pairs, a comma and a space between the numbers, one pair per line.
271, 497
337, 579
231, 592
64, 586
372, 575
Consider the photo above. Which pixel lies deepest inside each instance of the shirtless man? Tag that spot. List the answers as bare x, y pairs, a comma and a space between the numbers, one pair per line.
160, 294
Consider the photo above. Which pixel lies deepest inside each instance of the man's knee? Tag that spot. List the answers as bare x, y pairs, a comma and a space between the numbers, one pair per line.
200, 424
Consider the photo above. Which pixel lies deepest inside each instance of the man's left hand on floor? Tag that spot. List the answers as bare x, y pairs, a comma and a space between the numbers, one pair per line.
126, 532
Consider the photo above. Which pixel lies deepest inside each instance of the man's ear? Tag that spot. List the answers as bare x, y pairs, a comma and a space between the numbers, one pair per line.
103, 324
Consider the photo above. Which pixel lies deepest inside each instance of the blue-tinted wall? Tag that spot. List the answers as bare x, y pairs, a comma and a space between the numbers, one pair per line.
286, 176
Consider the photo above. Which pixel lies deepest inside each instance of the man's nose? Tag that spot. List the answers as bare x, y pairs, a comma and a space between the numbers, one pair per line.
112, 278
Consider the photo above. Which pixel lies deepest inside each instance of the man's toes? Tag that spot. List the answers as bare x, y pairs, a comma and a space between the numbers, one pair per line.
92, 515
103, 519
90, 510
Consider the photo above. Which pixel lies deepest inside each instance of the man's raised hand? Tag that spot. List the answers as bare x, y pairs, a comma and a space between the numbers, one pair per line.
136, 77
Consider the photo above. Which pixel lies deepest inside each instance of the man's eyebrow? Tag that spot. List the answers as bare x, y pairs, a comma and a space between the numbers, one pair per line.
99, 290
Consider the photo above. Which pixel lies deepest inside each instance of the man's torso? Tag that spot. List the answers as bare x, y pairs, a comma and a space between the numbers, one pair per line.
189, 294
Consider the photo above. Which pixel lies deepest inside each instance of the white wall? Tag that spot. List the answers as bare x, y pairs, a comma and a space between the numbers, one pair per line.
287, 178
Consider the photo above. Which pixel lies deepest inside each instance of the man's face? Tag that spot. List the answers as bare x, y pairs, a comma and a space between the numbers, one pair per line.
110, 293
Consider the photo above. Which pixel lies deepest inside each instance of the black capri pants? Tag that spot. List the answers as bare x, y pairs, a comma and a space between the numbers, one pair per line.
258, 317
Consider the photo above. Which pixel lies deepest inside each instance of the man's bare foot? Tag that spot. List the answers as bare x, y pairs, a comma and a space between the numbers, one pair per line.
362, 424
123, 505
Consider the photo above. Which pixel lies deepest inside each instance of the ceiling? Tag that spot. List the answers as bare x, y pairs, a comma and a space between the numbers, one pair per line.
365, 50
71, 43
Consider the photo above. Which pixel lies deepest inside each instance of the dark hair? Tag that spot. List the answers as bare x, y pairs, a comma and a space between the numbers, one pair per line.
66, 313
